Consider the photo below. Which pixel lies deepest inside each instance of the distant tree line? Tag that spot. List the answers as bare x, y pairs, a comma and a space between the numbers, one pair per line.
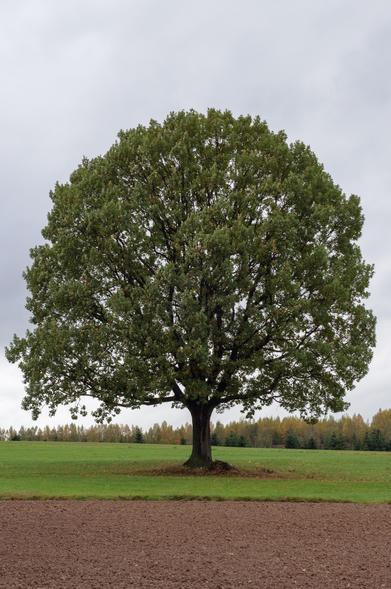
346, 433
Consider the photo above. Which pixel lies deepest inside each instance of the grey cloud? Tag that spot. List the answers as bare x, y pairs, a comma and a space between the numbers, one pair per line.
72, 74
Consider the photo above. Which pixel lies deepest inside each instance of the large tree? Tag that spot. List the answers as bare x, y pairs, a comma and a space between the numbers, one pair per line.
203, 262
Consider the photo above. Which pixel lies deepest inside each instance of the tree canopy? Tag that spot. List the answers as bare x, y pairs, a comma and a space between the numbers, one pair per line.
202, 262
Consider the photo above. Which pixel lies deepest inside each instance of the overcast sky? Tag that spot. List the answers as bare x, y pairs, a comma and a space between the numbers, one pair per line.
73, 73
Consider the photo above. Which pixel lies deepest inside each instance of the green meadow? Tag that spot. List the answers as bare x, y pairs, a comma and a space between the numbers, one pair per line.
46, 470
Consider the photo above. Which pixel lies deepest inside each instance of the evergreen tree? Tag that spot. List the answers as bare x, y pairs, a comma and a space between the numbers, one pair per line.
242, 442
356, 443
311, 444
231, 439
376, 440
138, 436
215, 441
335, 442
292, 440
276, 438
367, 442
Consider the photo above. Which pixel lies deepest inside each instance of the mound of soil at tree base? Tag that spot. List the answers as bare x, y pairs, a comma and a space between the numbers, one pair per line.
218, 468
122, 544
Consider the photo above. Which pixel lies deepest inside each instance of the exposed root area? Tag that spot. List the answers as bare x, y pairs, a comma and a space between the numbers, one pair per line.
217, 468
221, 466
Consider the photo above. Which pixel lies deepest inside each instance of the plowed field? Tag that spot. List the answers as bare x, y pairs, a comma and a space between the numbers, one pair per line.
194, 544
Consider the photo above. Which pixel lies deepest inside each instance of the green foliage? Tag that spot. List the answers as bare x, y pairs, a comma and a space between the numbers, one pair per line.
242, 442
203, 260
374, 440
214, 439
138, 436
357, 444
276, 438
335, 442
291, 440
311, 444
232, 439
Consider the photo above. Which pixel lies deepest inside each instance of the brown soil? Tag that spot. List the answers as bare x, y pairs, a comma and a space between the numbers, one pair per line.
179, 545
217, 470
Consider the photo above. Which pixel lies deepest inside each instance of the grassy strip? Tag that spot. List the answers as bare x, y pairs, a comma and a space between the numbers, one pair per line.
187, 498
40, 470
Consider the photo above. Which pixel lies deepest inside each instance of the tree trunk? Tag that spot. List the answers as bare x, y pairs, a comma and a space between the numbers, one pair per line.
201, 455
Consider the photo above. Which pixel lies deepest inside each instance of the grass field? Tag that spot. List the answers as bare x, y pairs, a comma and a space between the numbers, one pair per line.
108, 471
